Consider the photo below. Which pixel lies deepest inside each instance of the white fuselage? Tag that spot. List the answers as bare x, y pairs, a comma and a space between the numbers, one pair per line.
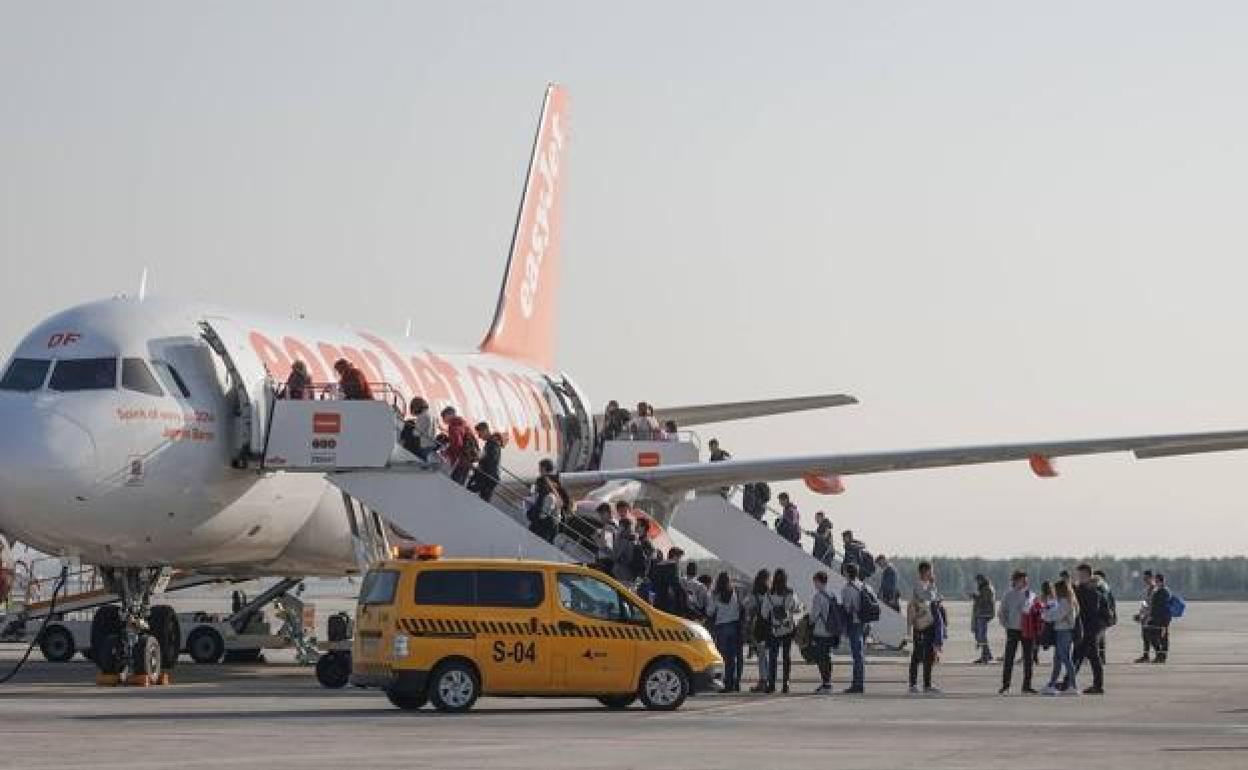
126, 477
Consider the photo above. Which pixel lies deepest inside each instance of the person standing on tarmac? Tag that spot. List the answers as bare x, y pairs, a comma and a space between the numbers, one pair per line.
669, 591
925, 618
1141, 616
851, 602
781, 608
724, 616
984, 606
1063, 613
1159, 618
1015, 604
1102, 583
825, 630
1093, 620
757, 626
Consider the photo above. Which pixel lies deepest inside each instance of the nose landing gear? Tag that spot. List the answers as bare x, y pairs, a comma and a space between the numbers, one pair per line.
135, 643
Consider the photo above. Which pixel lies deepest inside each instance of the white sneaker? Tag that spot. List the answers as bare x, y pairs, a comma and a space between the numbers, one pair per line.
914, 689
1071, 692
932, 690
1049, 690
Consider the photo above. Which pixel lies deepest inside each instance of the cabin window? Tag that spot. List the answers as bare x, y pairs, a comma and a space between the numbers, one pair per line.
137, 377
25, 374
72, 374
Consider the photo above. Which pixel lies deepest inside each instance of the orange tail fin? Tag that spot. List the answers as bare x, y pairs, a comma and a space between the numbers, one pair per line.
524, 322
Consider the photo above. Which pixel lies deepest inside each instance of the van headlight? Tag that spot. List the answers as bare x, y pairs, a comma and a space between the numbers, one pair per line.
399, 646
700, 631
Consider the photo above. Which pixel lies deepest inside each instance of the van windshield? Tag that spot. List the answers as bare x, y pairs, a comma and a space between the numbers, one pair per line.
379, 586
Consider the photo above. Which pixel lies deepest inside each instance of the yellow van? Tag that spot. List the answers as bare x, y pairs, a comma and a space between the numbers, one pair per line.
448, 631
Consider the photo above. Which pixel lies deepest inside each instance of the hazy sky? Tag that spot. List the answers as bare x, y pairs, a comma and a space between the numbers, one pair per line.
989, 221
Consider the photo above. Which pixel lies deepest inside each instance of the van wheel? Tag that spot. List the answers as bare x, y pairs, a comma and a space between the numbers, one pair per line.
205, 645
406, 701
454, 687
617, 701
57, 644
333, 670
664, 686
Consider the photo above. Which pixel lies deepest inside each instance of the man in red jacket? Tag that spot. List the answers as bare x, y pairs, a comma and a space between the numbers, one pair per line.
461, 445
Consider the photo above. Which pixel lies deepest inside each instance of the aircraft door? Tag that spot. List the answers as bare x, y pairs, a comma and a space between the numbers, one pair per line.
574, 423
251, 387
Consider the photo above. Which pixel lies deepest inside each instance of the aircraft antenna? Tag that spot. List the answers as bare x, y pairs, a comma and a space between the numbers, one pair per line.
143, 285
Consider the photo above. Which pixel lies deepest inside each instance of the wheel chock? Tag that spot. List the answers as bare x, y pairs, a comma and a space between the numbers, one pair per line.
165, 678
107, 680
139, 680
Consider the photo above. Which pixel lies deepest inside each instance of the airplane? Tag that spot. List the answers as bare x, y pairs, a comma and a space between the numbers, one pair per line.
133, 424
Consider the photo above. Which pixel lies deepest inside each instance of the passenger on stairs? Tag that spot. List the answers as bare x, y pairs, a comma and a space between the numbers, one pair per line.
614, 422
789, 525
351, 381
645, 426
754, 498
669, 590
604, 539
485, 477
822, 548
418, 436
889, 593
645, 555
459, 445
622, 548
299, 383
851, 551
550, 502
718, 455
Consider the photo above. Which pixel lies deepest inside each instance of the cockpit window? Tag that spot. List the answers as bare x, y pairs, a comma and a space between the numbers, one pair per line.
136, 376
25, 374
84, 374
170, 377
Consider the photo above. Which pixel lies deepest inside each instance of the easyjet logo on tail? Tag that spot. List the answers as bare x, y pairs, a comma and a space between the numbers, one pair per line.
547, 175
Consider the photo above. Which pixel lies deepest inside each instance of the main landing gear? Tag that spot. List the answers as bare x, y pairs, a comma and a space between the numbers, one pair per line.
135, 643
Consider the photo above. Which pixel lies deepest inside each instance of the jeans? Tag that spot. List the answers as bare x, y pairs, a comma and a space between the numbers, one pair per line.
822, 647
728, 641
924, 653
1089, 650
762, 648
1012, 640
979, 627
776, 647
1062, 659
853, 632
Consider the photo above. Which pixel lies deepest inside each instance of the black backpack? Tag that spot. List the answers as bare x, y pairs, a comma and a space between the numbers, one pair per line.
868, 605
639, 559
866, 564
1108, 607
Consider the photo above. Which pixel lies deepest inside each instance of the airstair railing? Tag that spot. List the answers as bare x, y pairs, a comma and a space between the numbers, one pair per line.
332, 391
520, 502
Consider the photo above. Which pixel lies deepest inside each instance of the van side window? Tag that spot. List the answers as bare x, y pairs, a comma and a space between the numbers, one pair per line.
445, 586
510, 588
378, 587
137, 377
586, 595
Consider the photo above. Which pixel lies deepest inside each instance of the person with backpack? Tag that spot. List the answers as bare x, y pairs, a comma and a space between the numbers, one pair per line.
604, 539
485, 476
889, 593
855, 552
853, 594
622, 548
1160, 614
645, 555
1063, 612
983, 607
1102, 583
417, 435
461, 446
758, 629
669, 590
1093, 620
826, 626
821, 539
698, 592
754, 498
780, 607
1019, 621
550, 502
925, 618
789, 524
1141, 617
724, 616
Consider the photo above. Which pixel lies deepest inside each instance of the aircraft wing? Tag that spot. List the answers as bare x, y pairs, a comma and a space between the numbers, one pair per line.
678, 478
700, 414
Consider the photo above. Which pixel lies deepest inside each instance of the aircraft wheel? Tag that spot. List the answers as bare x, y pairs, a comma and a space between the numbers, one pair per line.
110, 654
146, 656
106, 622
168, 632
205, 645
57, 644
333, 670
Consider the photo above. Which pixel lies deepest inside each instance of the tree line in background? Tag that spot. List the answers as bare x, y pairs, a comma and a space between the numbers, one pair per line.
1194, 579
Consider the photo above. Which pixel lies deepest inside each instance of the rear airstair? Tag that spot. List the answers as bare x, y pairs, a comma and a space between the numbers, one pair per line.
750, 545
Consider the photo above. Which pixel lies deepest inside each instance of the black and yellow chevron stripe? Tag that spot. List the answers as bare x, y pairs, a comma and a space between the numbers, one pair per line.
453, 628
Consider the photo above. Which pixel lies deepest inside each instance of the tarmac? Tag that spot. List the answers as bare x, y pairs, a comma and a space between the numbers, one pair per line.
1189, 713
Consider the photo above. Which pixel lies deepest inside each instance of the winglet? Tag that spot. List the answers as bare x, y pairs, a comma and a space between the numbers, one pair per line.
524, 320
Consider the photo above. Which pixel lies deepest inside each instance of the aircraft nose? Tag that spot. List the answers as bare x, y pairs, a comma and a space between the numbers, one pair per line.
44, 456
